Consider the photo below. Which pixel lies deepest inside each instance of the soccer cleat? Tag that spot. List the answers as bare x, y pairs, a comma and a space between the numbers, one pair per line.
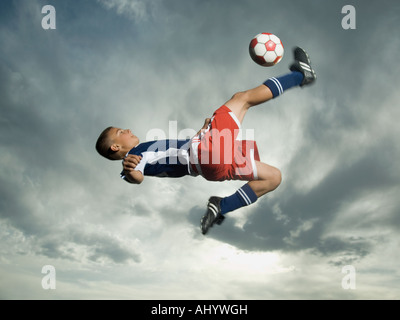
303, 64
213, 214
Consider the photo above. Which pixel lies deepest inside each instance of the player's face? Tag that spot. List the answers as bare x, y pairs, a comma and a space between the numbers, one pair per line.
125, 138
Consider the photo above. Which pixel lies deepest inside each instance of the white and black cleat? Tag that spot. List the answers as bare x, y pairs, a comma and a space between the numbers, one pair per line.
213, 214
302, 64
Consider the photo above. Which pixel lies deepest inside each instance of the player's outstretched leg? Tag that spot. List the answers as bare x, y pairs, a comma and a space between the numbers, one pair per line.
301, 74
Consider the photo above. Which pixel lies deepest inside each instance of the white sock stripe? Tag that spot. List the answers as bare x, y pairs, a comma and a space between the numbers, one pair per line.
278, 85
244, 196
213, 208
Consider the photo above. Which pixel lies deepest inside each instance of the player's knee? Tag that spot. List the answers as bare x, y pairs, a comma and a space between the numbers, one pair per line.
277, 177
274, 178
241, 96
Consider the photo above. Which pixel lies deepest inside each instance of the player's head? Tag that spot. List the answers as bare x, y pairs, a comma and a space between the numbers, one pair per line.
113, 143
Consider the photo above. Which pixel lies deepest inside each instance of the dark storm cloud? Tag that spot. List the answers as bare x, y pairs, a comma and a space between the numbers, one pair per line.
41, 106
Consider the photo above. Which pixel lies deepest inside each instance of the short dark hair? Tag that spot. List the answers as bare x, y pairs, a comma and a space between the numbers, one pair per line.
103, 144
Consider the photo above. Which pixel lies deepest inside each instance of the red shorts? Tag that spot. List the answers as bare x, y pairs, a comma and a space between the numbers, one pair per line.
219, 154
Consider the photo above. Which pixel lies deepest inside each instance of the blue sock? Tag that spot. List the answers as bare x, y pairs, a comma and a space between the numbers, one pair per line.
245, 196
282, 83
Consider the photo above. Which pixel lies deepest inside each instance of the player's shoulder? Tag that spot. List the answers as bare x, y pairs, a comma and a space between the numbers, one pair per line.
142, 147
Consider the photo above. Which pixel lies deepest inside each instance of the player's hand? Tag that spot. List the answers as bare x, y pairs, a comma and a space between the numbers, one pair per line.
130, 162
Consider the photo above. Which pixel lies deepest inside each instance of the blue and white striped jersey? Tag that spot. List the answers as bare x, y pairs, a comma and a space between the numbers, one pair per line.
163, 158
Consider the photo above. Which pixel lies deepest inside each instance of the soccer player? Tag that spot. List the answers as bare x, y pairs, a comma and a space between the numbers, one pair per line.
216, 152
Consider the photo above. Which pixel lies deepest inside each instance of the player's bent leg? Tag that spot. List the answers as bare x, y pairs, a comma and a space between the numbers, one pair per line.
269, 178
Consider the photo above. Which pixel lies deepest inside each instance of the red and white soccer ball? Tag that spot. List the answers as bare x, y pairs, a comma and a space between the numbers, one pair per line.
266, 49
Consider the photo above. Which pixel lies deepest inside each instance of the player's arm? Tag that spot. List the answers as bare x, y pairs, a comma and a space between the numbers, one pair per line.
129, 165
134, 176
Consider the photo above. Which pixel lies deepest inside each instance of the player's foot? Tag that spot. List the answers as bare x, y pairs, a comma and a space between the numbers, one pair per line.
302, 64
213, 214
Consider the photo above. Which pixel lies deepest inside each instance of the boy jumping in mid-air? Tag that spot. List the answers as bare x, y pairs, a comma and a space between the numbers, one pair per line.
216, 152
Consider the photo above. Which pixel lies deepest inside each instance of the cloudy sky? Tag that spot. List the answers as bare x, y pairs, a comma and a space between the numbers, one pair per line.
147, 64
